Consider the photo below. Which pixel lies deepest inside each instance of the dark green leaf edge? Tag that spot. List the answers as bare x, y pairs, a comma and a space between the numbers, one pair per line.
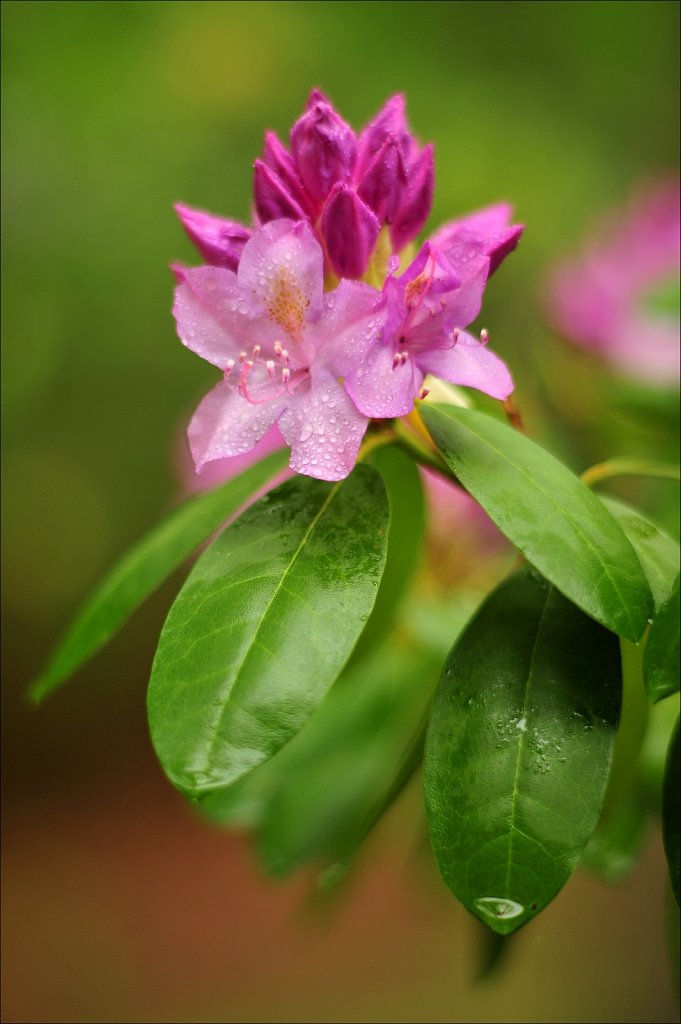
661, 655
145, 567
632, 628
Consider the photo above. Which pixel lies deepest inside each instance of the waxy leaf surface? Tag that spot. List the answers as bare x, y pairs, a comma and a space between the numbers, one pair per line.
264, 625
321, 794
557, 523
657, 552
518, 750
146, 566
661, 656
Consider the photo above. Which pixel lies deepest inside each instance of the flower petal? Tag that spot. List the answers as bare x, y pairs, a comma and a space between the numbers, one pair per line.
225, 424
324, 429
354, 314
485, 233
382, 390
283, 268
471, 364
214, 318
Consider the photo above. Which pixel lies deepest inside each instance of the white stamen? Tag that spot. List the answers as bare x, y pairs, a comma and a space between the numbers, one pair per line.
270, 367
403, 357
229, 367
484, 336
286, 375
242, 356
256, 351
455, 334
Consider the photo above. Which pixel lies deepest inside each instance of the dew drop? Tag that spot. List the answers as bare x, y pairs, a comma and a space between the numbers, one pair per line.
499, 908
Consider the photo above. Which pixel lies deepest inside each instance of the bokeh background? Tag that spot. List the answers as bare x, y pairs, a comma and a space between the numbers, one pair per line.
119, 903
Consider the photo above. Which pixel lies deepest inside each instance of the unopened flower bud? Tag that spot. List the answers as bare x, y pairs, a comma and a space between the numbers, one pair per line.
279, 160
219, 241
390, 122
350, 231
324, 149
272, 197
416, 200
381, 183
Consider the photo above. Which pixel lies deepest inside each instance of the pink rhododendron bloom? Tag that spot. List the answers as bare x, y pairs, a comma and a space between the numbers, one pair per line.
284, 347
620, 298
428, 306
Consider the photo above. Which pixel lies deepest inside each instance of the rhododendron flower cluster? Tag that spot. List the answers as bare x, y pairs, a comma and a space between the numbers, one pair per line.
317, 317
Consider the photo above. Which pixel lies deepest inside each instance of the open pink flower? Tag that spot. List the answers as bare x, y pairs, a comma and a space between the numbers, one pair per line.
620, 298
428, 306
284, 347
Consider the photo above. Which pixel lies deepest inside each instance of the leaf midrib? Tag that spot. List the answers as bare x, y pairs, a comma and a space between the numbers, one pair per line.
522, 742
224, 697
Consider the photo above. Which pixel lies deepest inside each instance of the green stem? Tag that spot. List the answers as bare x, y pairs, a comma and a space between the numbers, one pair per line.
627, 467
420, 452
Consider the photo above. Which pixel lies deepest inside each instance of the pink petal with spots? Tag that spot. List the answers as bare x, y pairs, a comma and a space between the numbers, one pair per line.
213, 317
381, 390
324, 430
350, 326
282, 267
225, 425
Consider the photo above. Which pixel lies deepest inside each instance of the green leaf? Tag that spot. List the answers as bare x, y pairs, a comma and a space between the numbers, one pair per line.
518, 750
146, 566
264, 625
321, 794
670, 813
613, 849
661, 656
657, 552
557, 523
405, 540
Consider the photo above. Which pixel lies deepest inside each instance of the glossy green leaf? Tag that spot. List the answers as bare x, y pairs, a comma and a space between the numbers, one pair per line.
613, 849
657, 552
670, 813
661, 657
146, 566
321, 794
264, 625
557, 523
405, 540
518, 750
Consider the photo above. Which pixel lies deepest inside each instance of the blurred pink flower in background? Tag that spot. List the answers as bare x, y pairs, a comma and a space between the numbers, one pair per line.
620, 298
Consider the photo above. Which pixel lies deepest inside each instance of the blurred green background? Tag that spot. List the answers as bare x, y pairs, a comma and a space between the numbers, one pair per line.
118, 903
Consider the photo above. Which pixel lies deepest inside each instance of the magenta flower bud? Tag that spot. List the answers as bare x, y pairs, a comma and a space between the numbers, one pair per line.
219, 241
350, 231
380, 186
279, 160
323, 148
416, 201
390, 122
272, 198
